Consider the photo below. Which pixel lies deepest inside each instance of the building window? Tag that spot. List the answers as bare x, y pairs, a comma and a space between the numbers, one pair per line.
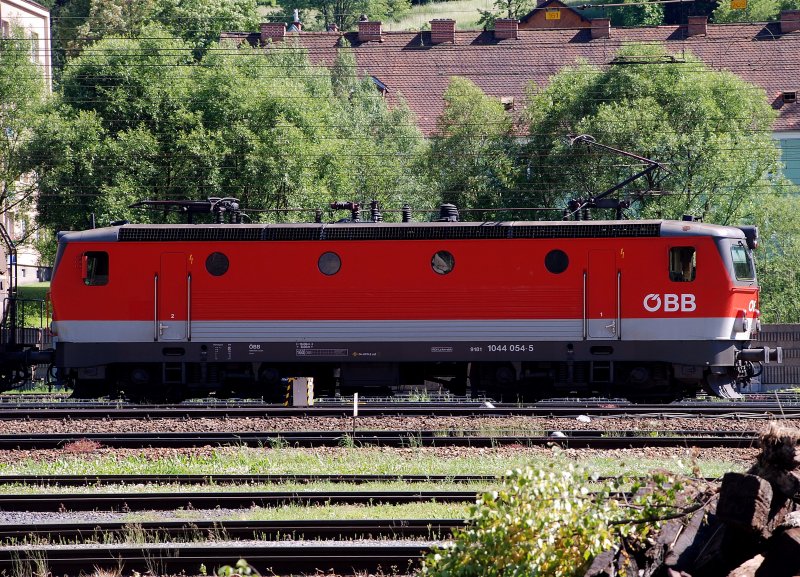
34, 47
6, 28
682, 264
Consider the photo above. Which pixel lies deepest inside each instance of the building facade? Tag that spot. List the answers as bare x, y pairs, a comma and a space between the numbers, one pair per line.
34, 20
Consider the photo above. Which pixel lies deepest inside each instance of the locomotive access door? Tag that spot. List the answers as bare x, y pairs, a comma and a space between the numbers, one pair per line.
173, 298
601, 295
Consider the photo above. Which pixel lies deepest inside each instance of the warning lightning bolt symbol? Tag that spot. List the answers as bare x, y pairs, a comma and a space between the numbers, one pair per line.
622, 253
191, 259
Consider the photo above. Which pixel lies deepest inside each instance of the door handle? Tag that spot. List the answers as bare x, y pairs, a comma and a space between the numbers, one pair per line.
612, 327
161, 328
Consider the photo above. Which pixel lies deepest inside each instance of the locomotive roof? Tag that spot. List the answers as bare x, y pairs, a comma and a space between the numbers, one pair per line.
401, 231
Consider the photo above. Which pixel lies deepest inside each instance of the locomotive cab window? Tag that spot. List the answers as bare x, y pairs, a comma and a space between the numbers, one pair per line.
682, 263
95, 268
742, 262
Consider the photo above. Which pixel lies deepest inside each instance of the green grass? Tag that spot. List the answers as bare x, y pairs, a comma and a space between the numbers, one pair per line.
464, 12
33, 314
346, 460
317, 487
324, 512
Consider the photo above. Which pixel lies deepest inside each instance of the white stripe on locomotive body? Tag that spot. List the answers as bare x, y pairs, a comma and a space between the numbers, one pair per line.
655, 329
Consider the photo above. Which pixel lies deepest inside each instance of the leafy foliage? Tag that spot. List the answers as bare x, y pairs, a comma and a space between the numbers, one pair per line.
505, 9
140, 118
756, 11
678, 112
241, 569
553, 521
22, 96
779, 277
473, 156
80, 23
319, 14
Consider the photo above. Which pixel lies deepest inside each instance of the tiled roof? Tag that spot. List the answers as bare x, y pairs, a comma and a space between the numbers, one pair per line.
410, 66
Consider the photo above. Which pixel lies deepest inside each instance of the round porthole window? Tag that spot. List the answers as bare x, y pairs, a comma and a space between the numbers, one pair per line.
556, 261
329, 263
443, 262
217, 264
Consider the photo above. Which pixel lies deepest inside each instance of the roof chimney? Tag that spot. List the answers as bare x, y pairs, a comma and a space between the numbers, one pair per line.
296, 26
443, 30
601, 28
505, 28
790, 21
697, 26
369, 31
272, 31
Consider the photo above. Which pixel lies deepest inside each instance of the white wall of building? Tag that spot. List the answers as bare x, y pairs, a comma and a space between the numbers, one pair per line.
34, 19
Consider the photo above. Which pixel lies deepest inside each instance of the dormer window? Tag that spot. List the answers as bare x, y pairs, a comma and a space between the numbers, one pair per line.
382, 88
507, 102
789, 97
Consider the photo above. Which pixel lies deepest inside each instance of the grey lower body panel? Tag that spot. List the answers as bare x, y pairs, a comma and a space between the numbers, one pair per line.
704, 353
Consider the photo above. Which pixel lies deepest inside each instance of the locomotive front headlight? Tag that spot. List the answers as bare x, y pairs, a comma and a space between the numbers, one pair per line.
743, 320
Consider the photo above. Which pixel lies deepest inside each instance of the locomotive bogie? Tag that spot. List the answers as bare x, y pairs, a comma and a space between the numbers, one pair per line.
520, 308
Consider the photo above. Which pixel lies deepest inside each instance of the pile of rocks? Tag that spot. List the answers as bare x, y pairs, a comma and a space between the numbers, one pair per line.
747, 526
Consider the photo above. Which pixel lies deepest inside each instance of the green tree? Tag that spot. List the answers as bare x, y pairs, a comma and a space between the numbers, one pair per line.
319, 14
710, 128
22, 96
472, 155
756, 11
505, 9
140, 118
79, 23
637, 14
777, 259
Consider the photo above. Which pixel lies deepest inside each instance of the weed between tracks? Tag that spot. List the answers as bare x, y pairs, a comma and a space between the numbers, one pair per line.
357, 460
33, 564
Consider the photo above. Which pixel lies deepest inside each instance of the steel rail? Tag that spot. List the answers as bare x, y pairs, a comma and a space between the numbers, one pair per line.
82, 411
278, 557
210, 500
195, 530
596, 439
214, 479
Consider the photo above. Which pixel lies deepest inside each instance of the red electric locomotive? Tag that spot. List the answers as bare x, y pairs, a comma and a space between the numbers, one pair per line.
635, 308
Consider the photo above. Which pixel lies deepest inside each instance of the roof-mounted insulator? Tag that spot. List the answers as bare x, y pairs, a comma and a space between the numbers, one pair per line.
448, 213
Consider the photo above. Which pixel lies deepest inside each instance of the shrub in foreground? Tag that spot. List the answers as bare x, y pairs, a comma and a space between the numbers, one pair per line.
553, 522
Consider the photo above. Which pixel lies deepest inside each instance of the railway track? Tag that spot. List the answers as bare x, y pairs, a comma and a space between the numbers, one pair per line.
189, 531
278, 557
95, 480
590, 439
787, 407
93, 501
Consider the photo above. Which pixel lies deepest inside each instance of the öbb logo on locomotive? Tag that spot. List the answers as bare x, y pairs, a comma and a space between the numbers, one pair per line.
670, 302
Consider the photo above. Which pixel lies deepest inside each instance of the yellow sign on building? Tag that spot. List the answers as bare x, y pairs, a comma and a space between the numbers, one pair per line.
554, 14
738, 4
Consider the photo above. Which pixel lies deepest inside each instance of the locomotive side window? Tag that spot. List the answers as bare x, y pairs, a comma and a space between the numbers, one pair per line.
217, 264
742, 263
443, 262
682, 264
556, 261
95, 268
329, 263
